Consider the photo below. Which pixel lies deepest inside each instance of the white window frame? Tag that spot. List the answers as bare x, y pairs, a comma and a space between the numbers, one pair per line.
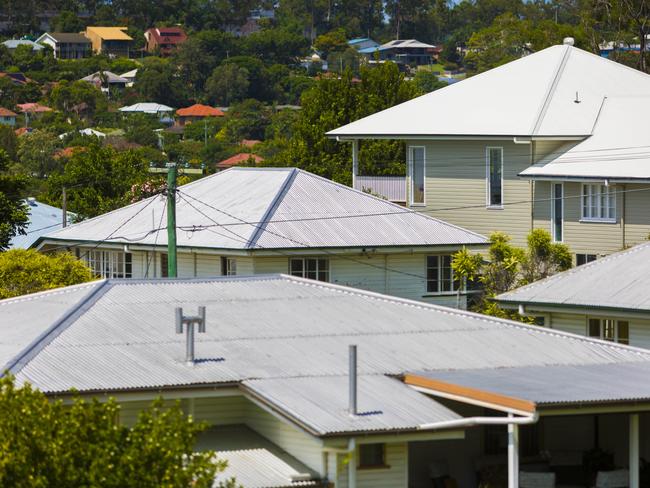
228, 266
615, 322
454, 283
553, 199
424, 176
304, 267
488, 186
104, 263
586, 216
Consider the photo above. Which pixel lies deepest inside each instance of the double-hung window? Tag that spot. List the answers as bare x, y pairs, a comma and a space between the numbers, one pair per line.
109, 264
598, 203
417, 161
440, 275
494, 175
228, 266
557, 211
609, 330
312, 268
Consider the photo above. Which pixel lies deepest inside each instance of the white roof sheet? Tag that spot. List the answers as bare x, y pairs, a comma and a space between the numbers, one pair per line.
109, 75
532, 96
146, 107
283, 208
626, 275
618, 148
401, 43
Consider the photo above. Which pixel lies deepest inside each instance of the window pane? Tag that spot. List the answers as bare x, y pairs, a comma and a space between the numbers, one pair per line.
371, 455
495, 175
432, 274
164, 263
557, 212
296, 267
623, 332
446, 279
609, 331
417, 161
312, 268
594, 328
323, 270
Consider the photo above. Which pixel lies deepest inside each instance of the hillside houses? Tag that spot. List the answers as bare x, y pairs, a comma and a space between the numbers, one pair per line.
245, 221
334, 386
552, 147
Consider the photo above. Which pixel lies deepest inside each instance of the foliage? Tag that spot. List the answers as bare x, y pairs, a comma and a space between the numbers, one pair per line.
13, 211
509, 267
46, 443
24, 271
36, 152
157, 81
332, 41
227, 84
78, 97
427, 81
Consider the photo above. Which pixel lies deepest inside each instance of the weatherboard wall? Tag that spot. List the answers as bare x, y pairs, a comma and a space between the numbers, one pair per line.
394, 475
576, 323
456, 177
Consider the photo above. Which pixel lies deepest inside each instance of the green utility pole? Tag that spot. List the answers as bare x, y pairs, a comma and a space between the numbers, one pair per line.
171, 219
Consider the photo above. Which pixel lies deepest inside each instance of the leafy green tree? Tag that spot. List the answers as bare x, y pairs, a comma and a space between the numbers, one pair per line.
332, 41
427, 81
156, 80
9, 141
78, 97
24, 271
227, 84
280, 46
259, 85
67, 21
36, 152
13, 211
49, 444
246, 120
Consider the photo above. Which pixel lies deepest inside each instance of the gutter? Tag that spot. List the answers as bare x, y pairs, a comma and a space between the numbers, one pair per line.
473, 421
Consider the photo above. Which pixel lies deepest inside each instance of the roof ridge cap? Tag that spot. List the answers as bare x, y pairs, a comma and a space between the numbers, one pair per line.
551, 90
19, 361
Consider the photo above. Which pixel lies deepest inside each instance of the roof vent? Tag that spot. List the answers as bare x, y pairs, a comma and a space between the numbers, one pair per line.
352, 408
189, 322
569, 41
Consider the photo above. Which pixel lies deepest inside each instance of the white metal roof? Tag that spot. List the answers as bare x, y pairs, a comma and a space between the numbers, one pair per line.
532, 96
618, 281
109, 75
618, 149
405, 43
284, 208
146, 107
268, 331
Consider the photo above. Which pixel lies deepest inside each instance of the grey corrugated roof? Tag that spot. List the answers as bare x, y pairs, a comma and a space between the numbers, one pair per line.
270, 327
14, 43
556, 385
618, 281
70, 37
320, 403
108, 75
253, 460
283, 208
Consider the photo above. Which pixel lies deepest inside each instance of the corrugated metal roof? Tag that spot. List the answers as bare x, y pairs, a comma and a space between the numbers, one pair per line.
626, 275
266, 328
43, 219
284, 208
14, 43
147, 108
534, 96
618, 148
320, 403
109, 76
253, 460
556, 385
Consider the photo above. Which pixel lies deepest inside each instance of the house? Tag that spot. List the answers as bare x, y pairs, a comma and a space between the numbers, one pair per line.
15, 78
113, 41
245, 221
106, 81
404, 51
66, 45
237, 159
163, 112
314, 384
196, 112
551, 147
164, 40
13, 44
363, 43
43, 218
605, 298
7, 117
32, 110
130, 76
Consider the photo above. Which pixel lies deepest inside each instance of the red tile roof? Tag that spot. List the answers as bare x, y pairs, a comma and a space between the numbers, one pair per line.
249, 142
168, 35
238, 159
33, 107
198, 110
5, 112
22, 130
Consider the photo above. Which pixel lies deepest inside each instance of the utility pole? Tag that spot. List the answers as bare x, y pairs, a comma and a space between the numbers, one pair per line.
171, 220
64, 207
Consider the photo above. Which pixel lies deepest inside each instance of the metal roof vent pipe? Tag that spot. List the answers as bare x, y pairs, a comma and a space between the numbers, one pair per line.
189, 322
568, 41
352, 408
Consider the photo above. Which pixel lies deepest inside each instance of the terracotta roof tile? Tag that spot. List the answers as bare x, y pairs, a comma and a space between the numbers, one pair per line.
198, 110
238, 159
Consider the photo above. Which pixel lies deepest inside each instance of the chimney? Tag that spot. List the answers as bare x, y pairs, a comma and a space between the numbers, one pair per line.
352, 408
189, 322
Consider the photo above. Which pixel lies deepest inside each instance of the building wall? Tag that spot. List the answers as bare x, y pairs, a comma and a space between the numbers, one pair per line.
395, 475
455, 173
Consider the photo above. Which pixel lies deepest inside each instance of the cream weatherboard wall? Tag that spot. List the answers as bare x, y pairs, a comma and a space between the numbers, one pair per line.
455, 176
631, 227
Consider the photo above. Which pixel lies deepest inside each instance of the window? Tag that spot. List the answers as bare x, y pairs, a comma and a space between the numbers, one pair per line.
609, 330
440, 275
598, 203
109, 264
495, 176
416, 157
228, 266
585, 258
557, 211
164, 265
312, 268
372, 455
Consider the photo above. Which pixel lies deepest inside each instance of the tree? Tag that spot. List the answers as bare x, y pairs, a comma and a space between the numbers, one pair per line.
227, 84
79, 97
67, 21
332, 41
36, 152
157, 81
280, 46
427, 81
13, 211
509, 267
47, 443
24, 271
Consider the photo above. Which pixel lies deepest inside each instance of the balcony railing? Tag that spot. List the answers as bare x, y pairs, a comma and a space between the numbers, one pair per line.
392, 188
